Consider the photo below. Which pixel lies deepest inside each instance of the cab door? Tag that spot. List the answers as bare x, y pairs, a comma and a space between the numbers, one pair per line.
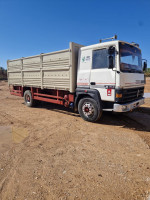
103, 75
84, 68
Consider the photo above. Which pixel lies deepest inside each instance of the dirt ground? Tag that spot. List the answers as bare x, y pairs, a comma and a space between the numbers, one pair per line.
147, 86
50, 153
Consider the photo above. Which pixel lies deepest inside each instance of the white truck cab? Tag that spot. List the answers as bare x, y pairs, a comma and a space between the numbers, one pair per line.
115, 70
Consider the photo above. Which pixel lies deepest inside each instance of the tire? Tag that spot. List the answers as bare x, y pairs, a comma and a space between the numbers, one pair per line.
28, 98
89, 110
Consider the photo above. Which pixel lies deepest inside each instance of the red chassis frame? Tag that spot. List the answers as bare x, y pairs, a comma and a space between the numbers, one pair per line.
60, 97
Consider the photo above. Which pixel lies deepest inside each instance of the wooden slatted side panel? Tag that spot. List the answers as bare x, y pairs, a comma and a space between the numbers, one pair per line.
56, 70
31, 71
51, 70
14, 72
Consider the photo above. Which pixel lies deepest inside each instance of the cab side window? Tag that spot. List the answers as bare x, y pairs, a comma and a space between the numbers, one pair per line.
100, 59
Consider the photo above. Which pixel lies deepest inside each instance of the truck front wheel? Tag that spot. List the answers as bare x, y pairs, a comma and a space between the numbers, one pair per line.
28, 98
89, 110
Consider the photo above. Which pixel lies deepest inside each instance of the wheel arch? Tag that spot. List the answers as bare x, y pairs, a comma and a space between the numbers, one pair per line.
90, 93
26, 88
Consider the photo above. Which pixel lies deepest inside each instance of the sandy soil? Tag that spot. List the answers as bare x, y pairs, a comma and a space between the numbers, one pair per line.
147, 86
55, 155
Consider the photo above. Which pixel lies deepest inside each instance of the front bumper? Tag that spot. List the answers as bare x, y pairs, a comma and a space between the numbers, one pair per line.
128, 106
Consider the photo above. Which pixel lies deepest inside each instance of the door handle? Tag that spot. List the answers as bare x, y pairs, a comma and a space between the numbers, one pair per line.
92, 83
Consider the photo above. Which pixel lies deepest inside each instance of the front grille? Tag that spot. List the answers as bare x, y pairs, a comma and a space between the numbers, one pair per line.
129, 95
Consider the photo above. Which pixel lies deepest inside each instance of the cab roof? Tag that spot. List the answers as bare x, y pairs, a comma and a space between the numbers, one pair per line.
106, 44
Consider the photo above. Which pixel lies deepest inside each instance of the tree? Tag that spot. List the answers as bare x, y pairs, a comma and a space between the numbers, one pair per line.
3, 73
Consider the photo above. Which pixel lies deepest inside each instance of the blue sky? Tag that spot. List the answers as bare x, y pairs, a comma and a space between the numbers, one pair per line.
30, 27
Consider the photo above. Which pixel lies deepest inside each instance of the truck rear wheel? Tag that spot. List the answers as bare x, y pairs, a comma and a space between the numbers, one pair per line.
28, 98
89, 110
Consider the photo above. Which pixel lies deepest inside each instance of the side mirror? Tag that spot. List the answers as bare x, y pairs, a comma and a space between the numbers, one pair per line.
144, 66
111, 50
111, 62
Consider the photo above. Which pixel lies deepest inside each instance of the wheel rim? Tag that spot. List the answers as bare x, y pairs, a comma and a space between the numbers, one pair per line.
28, 99
88, 109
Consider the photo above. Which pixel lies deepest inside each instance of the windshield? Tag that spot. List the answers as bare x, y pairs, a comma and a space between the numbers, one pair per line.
130, 58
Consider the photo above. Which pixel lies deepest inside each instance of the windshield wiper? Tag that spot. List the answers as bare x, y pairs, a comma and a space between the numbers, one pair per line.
132, 71
135, 70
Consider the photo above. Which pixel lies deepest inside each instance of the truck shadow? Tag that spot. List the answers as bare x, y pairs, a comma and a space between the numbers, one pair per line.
144, 110
56, 108
108, 118
124, 121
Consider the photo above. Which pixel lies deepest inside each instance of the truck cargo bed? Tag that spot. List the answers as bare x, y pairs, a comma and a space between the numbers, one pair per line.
56, 70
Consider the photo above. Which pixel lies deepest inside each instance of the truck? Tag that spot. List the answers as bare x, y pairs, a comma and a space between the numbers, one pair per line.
108, 76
